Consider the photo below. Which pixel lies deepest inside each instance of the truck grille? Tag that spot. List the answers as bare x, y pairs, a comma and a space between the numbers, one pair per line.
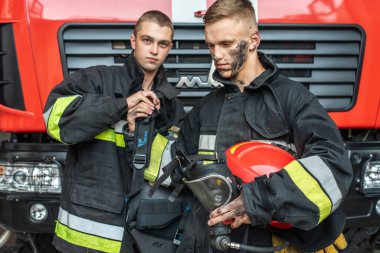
10, 84
326, 59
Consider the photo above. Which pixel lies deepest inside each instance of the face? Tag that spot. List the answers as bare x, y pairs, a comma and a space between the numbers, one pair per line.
229, 41
152, 44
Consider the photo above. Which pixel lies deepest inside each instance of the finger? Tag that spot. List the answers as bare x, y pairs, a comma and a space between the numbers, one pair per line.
140, 107
132, 118
218, 211
340, 242
220, 218
146, 99
141, 115
239, 220
138, 97
153, 97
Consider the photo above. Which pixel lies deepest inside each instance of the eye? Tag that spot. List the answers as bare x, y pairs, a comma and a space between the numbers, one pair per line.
146, 40
164, 44
226, 44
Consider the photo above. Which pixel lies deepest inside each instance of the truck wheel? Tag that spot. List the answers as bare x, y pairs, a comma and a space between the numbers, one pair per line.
359, 239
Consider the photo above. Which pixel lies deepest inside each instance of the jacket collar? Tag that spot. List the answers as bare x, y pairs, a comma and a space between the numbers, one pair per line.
161, 84
270, 73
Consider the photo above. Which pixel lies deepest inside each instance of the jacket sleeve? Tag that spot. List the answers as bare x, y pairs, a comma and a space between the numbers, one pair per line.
76, 110
309, 189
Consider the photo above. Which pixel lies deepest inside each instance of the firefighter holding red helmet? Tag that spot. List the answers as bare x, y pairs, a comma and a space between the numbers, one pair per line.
257, 103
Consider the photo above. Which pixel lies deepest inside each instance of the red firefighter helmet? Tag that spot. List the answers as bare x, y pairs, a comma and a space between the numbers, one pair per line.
251, 159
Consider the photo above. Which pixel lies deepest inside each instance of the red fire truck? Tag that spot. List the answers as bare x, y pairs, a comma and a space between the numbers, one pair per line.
328, 45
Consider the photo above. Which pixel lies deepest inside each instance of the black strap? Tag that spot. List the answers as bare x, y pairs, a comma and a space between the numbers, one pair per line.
142, 143
127, 242
168, 169
143, 138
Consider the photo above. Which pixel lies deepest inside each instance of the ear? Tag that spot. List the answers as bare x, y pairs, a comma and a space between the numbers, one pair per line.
133, 41
254, 40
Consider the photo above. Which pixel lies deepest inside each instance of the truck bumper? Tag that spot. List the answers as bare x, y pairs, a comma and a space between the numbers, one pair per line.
359, 206
15, 213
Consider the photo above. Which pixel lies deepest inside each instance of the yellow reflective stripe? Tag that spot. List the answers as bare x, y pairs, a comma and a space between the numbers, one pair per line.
310, 188
158, 147
86, 240
59, 106
110, 135
206, 153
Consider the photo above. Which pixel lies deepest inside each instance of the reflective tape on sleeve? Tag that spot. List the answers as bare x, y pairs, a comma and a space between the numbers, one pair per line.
318, 168
111, 136
55, 115
310, 188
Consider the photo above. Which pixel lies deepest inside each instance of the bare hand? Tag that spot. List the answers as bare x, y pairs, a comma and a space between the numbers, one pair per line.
140, 110
149, 97
233, 210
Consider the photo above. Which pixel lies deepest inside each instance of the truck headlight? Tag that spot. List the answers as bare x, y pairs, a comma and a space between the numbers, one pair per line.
370, 182
30, 177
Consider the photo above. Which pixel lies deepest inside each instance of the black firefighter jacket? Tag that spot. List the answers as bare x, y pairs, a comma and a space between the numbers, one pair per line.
309, 190
88, 111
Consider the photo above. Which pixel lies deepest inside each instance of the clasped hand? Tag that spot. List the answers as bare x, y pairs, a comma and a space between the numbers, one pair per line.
234, 210
141, 105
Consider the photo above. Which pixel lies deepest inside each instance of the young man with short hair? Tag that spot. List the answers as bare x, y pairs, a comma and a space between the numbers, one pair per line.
96, 111
258, 103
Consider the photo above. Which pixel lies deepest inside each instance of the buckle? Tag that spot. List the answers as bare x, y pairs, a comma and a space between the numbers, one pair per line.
178, 237
139, 161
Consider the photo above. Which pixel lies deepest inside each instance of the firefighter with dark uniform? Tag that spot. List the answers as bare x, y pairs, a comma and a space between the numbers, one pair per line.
96, 112
258, 103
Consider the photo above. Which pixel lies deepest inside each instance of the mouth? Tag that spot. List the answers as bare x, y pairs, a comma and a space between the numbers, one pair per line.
152, 60
222, 66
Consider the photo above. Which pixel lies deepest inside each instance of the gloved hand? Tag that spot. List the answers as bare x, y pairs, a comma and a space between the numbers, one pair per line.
339, 244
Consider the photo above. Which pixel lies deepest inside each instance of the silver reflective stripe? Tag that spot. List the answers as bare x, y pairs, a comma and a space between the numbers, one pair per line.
282, 143
207, 142
165, 160
119, 126
89, 226
318, 168
46, 116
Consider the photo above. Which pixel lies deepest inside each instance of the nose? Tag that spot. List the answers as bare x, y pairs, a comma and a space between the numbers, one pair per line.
154, 49
217, 54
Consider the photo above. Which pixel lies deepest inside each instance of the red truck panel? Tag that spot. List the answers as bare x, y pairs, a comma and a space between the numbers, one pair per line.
40, 64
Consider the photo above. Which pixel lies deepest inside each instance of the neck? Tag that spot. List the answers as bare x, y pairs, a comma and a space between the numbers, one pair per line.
148, 81
251, 69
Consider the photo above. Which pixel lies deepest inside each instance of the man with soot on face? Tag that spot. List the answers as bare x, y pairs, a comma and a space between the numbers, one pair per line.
258, 103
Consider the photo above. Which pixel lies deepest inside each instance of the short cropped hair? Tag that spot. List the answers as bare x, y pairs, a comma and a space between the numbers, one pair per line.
156, 17
241, 9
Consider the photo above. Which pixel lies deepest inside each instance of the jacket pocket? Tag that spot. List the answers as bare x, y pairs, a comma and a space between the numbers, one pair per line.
95, 187
158, 213
265, 115
158, 216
